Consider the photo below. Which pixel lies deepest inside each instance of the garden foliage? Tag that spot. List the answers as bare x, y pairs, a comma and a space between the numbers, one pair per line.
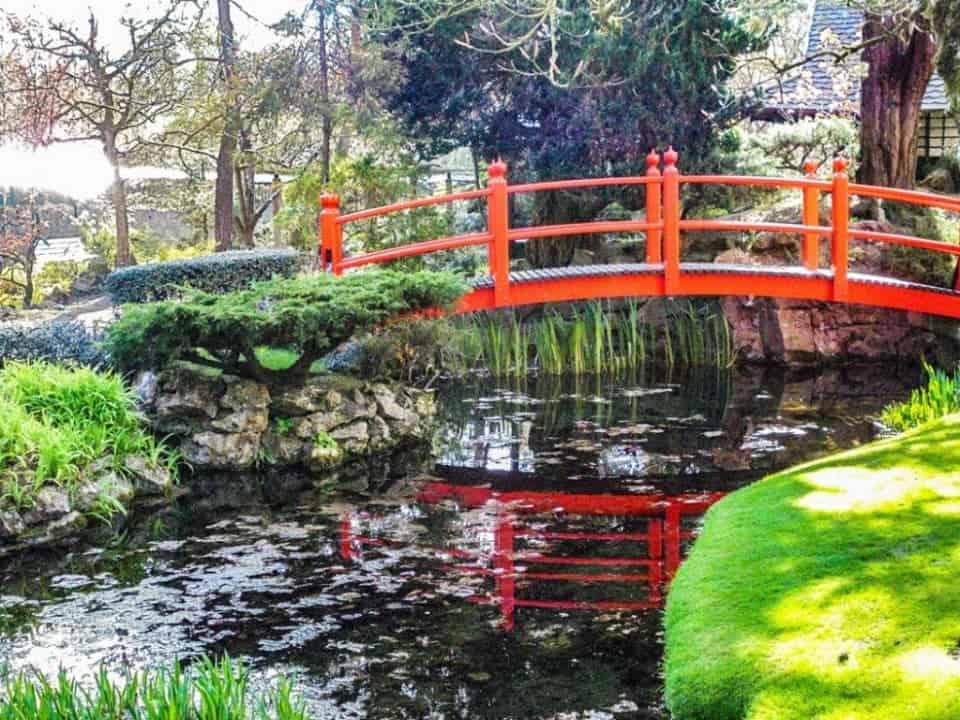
939, 398
306, 316
59, 341
220, 273
209, 691
58, 424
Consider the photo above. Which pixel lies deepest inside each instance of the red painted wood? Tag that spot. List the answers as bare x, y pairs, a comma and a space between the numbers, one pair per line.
663, 227
671, 221
840, 240
412, 205
654, 209
498, 225
810, 250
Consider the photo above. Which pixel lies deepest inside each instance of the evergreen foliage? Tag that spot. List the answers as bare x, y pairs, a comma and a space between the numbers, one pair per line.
57, 341
218, 273
307, 316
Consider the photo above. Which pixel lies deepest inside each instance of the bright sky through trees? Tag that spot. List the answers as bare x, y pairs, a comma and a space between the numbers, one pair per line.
80, 169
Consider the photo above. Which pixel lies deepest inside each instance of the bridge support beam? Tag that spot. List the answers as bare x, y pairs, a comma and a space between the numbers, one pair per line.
840, 240
671, 222
654, 210
811, 216
331, 234
498, 225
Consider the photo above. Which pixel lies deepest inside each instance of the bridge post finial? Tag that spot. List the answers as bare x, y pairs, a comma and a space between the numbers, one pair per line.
810, 168
331, 233
840, 218
498, 226
671, 222
654, 194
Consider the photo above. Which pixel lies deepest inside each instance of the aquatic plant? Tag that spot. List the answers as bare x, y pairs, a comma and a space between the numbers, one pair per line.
210, 690
600, 338
940, 397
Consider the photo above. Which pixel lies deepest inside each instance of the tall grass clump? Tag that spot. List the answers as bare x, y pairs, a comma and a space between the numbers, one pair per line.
57, 422
940, 397
210, 691
599, 338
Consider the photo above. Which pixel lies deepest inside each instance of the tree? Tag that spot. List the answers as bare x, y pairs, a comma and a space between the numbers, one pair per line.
606, 89
900, 52
21, 232
102, 92
223, 194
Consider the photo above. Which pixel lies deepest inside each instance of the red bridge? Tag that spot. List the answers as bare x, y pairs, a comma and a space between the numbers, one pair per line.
664, 273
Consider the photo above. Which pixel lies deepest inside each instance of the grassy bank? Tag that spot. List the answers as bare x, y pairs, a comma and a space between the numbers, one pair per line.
61, 426
827, 591
210, 691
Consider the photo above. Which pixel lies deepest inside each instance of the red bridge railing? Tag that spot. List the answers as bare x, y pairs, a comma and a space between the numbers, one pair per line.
664, 273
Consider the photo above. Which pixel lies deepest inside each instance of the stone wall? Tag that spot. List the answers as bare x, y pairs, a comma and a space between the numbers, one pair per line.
806, 332
229, 423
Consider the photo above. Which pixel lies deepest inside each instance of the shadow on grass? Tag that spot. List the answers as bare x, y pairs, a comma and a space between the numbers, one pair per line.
828, 591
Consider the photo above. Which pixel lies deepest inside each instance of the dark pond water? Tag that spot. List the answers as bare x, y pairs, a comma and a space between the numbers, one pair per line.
519, 573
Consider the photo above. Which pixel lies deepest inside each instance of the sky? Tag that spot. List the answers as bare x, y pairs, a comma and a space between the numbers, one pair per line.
80, 169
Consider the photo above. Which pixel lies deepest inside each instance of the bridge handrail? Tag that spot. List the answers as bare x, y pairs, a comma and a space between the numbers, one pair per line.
582, 183
601, 227
412, 205
662, 225
415, 249
911, 197
757, 181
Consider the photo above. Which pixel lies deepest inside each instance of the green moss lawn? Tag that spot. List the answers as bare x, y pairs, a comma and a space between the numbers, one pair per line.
831, 590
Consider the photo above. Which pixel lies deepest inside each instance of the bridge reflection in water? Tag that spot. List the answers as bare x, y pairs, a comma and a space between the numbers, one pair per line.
555, 550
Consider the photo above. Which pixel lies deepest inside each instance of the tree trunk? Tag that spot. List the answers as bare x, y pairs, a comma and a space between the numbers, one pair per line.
326, 126
119, 192
28, 266
223, 192
898, 70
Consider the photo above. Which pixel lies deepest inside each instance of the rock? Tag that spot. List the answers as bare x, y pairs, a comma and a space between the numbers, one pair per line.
110, 486
145, 386
183, 395
227, 451
244, 394
148, 480
284, 449
11, 524
320, 457
304, 400
49, 504
352, 438
941, 181
387, 403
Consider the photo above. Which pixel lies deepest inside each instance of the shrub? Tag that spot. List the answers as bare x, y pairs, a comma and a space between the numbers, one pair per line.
219, 273
416, 351
307, 316
940, 397
57, 341
56, 422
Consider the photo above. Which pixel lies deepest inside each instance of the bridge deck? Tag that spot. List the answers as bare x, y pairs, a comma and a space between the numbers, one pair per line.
647, 279
696, 268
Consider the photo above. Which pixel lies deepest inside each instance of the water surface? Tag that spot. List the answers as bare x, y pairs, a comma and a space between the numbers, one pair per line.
520, 573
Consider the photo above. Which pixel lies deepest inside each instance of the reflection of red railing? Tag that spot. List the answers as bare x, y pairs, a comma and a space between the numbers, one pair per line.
662, 540
663, 273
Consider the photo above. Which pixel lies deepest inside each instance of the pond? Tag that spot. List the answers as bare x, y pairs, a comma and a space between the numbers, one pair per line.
519, 572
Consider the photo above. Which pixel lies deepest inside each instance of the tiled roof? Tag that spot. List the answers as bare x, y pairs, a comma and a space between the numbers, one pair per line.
820, 85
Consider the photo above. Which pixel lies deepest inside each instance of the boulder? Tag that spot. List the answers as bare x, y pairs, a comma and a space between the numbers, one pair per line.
148, 480
50, 503
225, 451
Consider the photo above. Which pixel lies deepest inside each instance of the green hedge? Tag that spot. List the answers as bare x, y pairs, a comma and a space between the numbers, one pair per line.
307, 316
219, 273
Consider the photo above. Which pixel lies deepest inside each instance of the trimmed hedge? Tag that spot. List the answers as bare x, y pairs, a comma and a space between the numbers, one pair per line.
58, 341
218, 273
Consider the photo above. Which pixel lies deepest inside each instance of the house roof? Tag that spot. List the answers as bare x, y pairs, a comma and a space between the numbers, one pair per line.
821, 86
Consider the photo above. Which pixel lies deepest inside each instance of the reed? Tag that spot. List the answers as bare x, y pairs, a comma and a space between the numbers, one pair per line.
599, 338
210, 691
940, 397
